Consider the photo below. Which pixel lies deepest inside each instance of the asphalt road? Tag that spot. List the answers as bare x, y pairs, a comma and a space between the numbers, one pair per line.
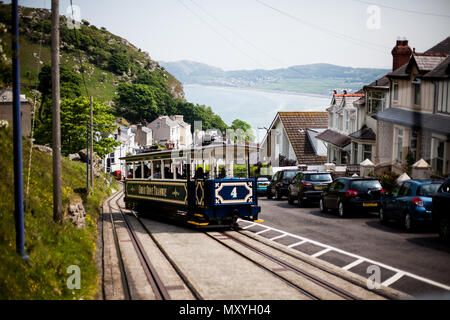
420, 253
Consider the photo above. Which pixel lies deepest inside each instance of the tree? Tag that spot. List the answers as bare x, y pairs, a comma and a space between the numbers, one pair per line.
118, 63
243, 130
74, 116
136, 102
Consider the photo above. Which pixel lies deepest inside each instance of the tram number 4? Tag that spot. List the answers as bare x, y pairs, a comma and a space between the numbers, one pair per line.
234, 193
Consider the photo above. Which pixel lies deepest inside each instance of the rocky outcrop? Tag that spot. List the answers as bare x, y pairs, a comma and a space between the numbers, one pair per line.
76, 214
43, 149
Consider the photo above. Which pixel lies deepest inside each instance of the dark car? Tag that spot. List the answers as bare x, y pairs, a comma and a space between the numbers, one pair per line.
441, 210
261, 185
279, 184
409, 202
307, 187
351, 194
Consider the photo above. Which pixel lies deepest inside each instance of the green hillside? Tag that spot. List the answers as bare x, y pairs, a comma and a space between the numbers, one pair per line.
52, 247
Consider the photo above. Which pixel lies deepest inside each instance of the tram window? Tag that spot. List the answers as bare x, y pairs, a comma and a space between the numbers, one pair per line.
147, 170
138, 171
157, 169
168, 174
129, 171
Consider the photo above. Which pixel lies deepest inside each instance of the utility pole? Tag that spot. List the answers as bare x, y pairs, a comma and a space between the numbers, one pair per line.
17, 136
56, 117
92, 143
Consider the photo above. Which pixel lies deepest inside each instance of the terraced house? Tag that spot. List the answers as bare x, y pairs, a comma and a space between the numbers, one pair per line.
417, 123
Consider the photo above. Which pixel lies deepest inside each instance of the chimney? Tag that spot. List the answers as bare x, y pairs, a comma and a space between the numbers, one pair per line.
400, 54
179, 117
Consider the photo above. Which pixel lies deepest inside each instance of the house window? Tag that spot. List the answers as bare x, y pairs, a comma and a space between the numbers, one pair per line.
112, 158
376, 102
399, 145
343, 157
347, 120
367, 152
354, 153
416, 87
395, 91
158, 125
443, 93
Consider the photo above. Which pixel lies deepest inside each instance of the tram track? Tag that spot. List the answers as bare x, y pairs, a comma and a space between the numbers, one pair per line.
317, 266
160, 290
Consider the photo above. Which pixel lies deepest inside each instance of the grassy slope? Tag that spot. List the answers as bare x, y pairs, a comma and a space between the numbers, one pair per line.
52, 247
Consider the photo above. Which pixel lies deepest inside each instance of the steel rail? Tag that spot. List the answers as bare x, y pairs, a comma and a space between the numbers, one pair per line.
384, 295
155, 281
330, 287
123, 275
301, 290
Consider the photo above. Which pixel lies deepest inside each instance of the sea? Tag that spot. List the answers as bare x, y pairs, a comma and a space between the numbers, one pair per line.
256, 107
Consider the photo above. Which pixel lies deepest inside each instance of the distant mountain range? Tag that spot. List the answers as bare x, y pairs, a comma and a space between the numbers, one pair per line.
318, 78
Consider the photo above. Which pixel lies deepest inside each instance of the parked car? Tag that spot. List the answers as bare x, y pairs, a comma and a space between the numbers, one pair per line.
279, 184
307, 186
261, 185
348, 194
441, 210
409, 202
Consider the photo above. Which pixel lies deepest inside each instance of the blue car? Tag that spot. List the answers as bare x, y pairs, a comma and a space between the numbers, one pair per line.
261, 184
410, 202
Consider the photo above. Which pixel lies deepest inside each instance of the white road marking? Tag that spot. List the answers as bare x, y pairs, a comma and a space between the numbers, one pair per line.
262, 231
317, 254
354, 263
358, 257
392, 279
297, 243
278, 237
250, 225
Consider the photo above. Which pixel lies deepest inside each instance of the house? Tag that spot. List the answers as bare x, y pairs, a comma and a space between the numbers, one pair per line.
417, 123
171, 130
292, 137
143, 135
344, 118
6, 110
127, 146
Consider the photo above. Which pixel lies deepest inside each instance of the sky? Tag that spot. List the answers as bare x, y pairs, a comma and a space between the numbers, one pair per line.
268, 34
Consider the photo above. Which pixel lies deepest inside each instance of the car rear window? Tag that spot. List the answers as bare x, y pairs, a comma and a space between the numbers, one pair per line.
318, 177
365, 185
289, 174
427, 190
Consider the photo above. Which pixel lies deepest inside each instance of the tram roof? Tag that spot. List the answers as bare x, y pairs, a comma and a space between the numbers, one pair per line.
179, 153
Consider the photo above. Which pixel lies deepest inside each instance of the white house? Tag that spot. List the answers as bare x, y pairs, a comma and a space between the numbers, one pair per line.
127, 146
171, 130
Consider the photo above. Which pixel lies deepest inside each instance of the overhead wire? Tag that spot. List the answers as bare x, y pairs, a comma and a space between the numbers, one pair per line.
403, 10
360, 42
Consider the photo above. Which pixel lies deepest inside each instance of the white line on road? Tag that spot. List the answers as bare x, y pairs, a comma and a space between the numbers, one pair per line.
262, 231
278, 237
297, 244
354, 263
392, 279
315, 255
358, 257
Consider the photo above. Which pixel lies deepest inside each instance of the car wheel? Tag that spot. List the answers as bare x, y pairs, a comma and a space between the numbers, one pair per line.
408, 222
323, 209
382, 216
444, 229
277, 195
341, 209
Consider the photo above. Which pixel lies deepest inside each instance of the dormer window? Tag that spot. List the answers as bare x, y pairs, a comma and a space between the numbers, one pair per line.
416, 90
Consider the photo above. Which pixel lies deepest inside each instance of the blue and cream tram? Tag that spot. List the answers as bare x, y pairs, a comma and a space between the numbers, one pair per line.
197, 184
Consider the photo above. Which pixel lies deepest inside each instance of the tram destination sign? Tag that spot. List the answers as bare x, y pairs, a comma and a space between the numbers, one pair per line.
165, 191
